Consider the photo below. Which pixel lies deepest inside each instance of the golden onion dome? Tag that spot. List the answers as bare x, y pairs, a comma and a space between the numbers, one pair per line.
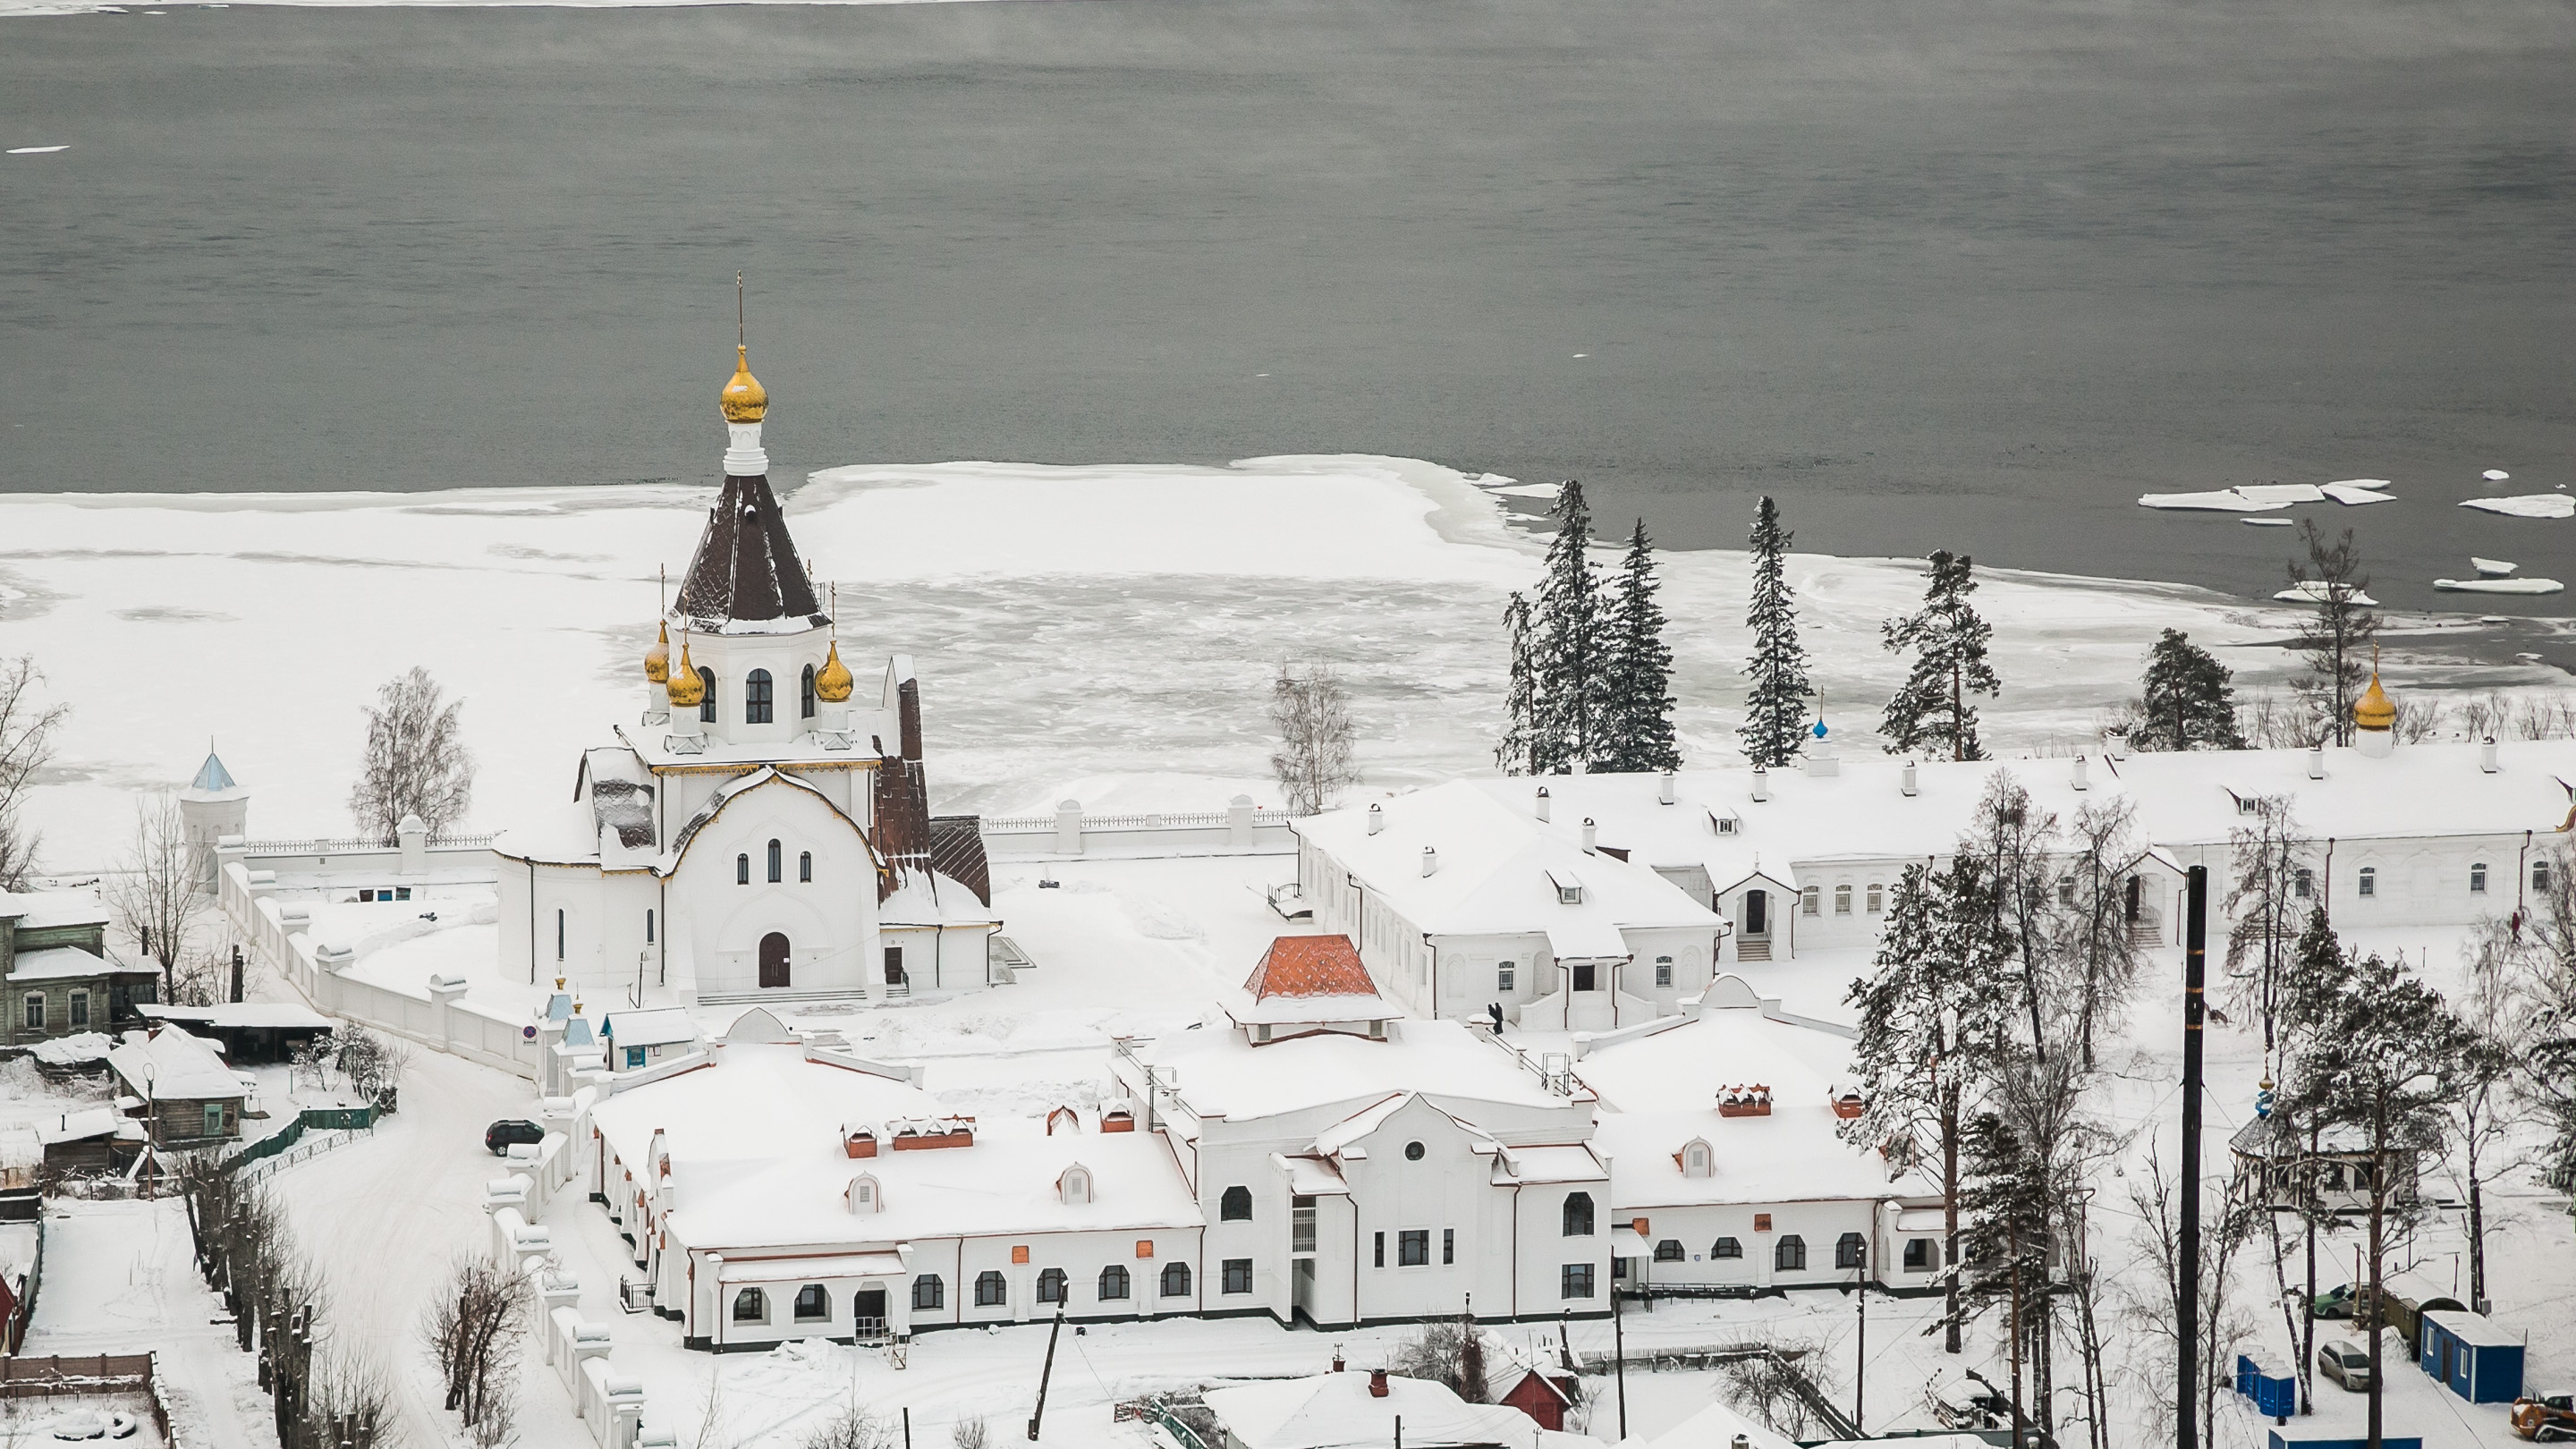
832, 685
2374, 710
686, 687
657, 660
744, 399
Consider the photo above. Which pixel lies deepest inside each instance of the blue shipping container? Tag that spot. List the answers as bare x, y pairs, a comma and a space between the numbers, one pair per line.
2472, 1357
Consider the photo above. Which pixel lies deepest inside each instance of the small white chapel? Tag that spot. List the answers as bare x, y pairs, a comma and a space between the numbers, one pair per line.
761, 831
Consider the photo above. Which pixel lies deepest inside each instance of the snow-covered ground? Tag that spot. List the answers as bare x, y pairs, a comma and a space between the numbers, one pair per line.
1103, 633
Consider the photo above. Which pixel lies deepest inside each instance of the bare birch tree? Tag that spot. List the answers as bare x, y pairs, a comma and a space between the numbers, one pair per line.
155, 895
416, 763
2334, 637
2270, 857
2096, 951
473, 1329
1312, 712
27, 727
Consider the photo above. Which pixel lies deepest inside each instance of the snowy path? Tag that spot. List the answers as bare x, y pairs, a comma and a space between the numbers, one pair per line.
120, 1277
384, 1216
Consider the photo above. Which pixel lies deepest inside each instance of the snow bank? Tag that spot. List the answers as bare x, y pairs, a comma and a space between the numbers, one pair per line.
1112, 626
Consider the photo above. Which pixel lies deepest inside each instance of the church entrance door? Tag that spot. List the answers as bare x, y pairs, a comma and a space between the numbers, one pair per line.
773, 960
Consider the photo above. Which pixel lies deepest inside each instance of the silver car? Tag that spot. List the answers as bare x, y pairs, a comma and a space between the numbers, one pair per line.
2346, 1363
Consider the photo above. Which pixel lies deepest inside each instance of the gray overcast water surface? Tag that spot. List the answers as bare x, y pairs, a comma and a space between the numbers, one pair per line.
1934, 272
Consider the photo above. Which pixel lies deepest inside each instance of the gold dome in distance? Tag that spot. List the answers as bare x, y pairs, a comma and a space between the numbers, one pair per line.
744, 400
2374, 710
687, 689
832, 685
657, 660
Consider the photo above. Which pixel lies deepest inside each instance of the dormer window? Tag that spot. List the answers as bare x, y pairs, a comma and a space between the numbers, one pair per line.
1075, 1185
1569, 890
867, 1195
1725, 824
1697, 1161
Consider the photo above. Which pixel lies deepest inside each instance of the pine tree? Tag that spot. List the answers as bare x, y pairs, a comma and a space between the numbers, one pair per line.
1950, 664
1518, 754
1934, 1008
1775, 707
2189, 703
1569, 654
1636, 703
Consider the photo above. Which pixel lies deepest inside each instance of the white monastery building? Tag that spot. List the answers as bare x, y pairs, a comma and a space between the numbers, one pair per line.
761, 830
1591, 902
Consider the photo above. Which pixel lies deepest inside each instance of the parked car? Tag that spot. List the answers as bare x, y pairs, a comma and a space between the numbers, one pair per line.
501, 1136
2345, 1362
2549, 1418
2335, 1302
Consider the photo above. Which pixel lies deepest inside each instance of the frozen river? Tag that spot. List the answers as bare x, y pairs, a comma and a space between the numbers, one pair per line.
1936, 273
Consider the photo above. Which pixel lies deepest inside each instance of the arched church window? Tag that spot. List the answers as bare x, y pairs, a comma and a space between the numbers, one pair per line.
648, 927
774, 856
559, 935
805, 867
805, 696
707, 704
755, 697
742, 870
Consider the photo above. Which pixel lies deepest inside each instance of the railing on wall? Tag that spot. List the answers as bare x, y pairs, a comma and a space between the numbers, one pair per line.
1240, 829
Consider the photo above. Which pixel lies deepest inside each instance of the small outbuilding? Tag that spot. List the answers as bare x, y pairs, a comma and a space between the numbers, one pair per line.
1543, 1397
251, 1032
179, 1087
2472, 1356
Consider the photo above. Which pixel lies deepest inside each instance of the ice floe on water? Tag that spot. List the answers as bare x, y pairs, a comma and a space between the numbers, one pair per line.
2316, 591
2498, 586
1107, 633
37, 150
2265, 522
2527, 505
2268, 497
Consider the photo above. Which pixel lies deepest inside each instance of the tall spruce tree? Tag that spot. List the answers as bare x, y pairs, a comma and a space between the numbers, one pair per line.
1775, 704
1518, 754
1571, 651
1636, 699
2189, 702
1933, 1012
1932, 710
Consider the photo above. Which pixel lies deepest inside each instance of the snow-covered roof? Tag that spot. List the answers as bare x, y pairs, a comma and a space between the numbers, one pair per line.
1861, 812
1660, 1092
1715, 1426
734, 789
1495, 869
1334, 1410
1221, 1074
805, 749
619, 788
70, 963
46, 910
79, 1125
652, 1026
173, 1065
928, 898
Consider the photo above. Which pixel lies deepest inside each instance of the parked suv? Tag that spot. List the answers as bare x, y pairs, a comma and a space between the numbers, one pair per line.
2345, 1362
501, 1136
2546, 1417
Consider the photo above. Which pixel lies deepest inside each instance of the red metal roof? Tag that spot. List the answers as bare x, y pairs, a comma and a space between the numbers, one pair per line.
1310, 966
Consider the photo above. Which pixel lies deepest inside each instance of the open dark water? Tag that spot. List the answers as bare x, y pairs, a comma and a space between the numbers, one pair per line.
1935, 272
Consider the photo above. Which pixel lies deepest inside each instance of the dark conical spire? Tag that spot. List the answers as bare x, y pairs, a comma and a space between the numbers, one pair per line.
746, 569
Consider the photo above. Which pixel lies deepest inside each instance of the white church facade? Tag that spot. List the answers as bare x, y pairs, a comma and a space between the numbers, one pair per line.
761, 829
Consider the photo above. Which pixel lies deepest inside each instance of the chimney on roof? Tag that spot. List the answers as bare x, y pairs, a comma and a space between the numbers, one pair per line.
2487, 757
1376, 819
1905, 781
2316, 762
2081, 781
1430, 860
1664, 792
1591, 834
1542, 802
1337, 1358
1377, 1383
1761, 784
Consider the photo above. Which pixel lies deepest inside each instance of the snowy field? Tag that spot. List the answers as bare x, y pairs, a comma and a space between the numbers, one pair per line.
1104, 633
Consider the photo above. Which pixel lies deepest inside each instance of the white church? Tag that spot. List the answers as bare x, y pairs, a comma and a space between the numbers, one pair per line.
761, 830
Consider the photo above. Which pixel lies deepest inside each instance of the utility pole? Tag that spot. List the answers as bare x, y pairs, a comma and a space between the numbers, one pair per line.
1046, 1373
1860, 1350
1619, 1355
2187, 1291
